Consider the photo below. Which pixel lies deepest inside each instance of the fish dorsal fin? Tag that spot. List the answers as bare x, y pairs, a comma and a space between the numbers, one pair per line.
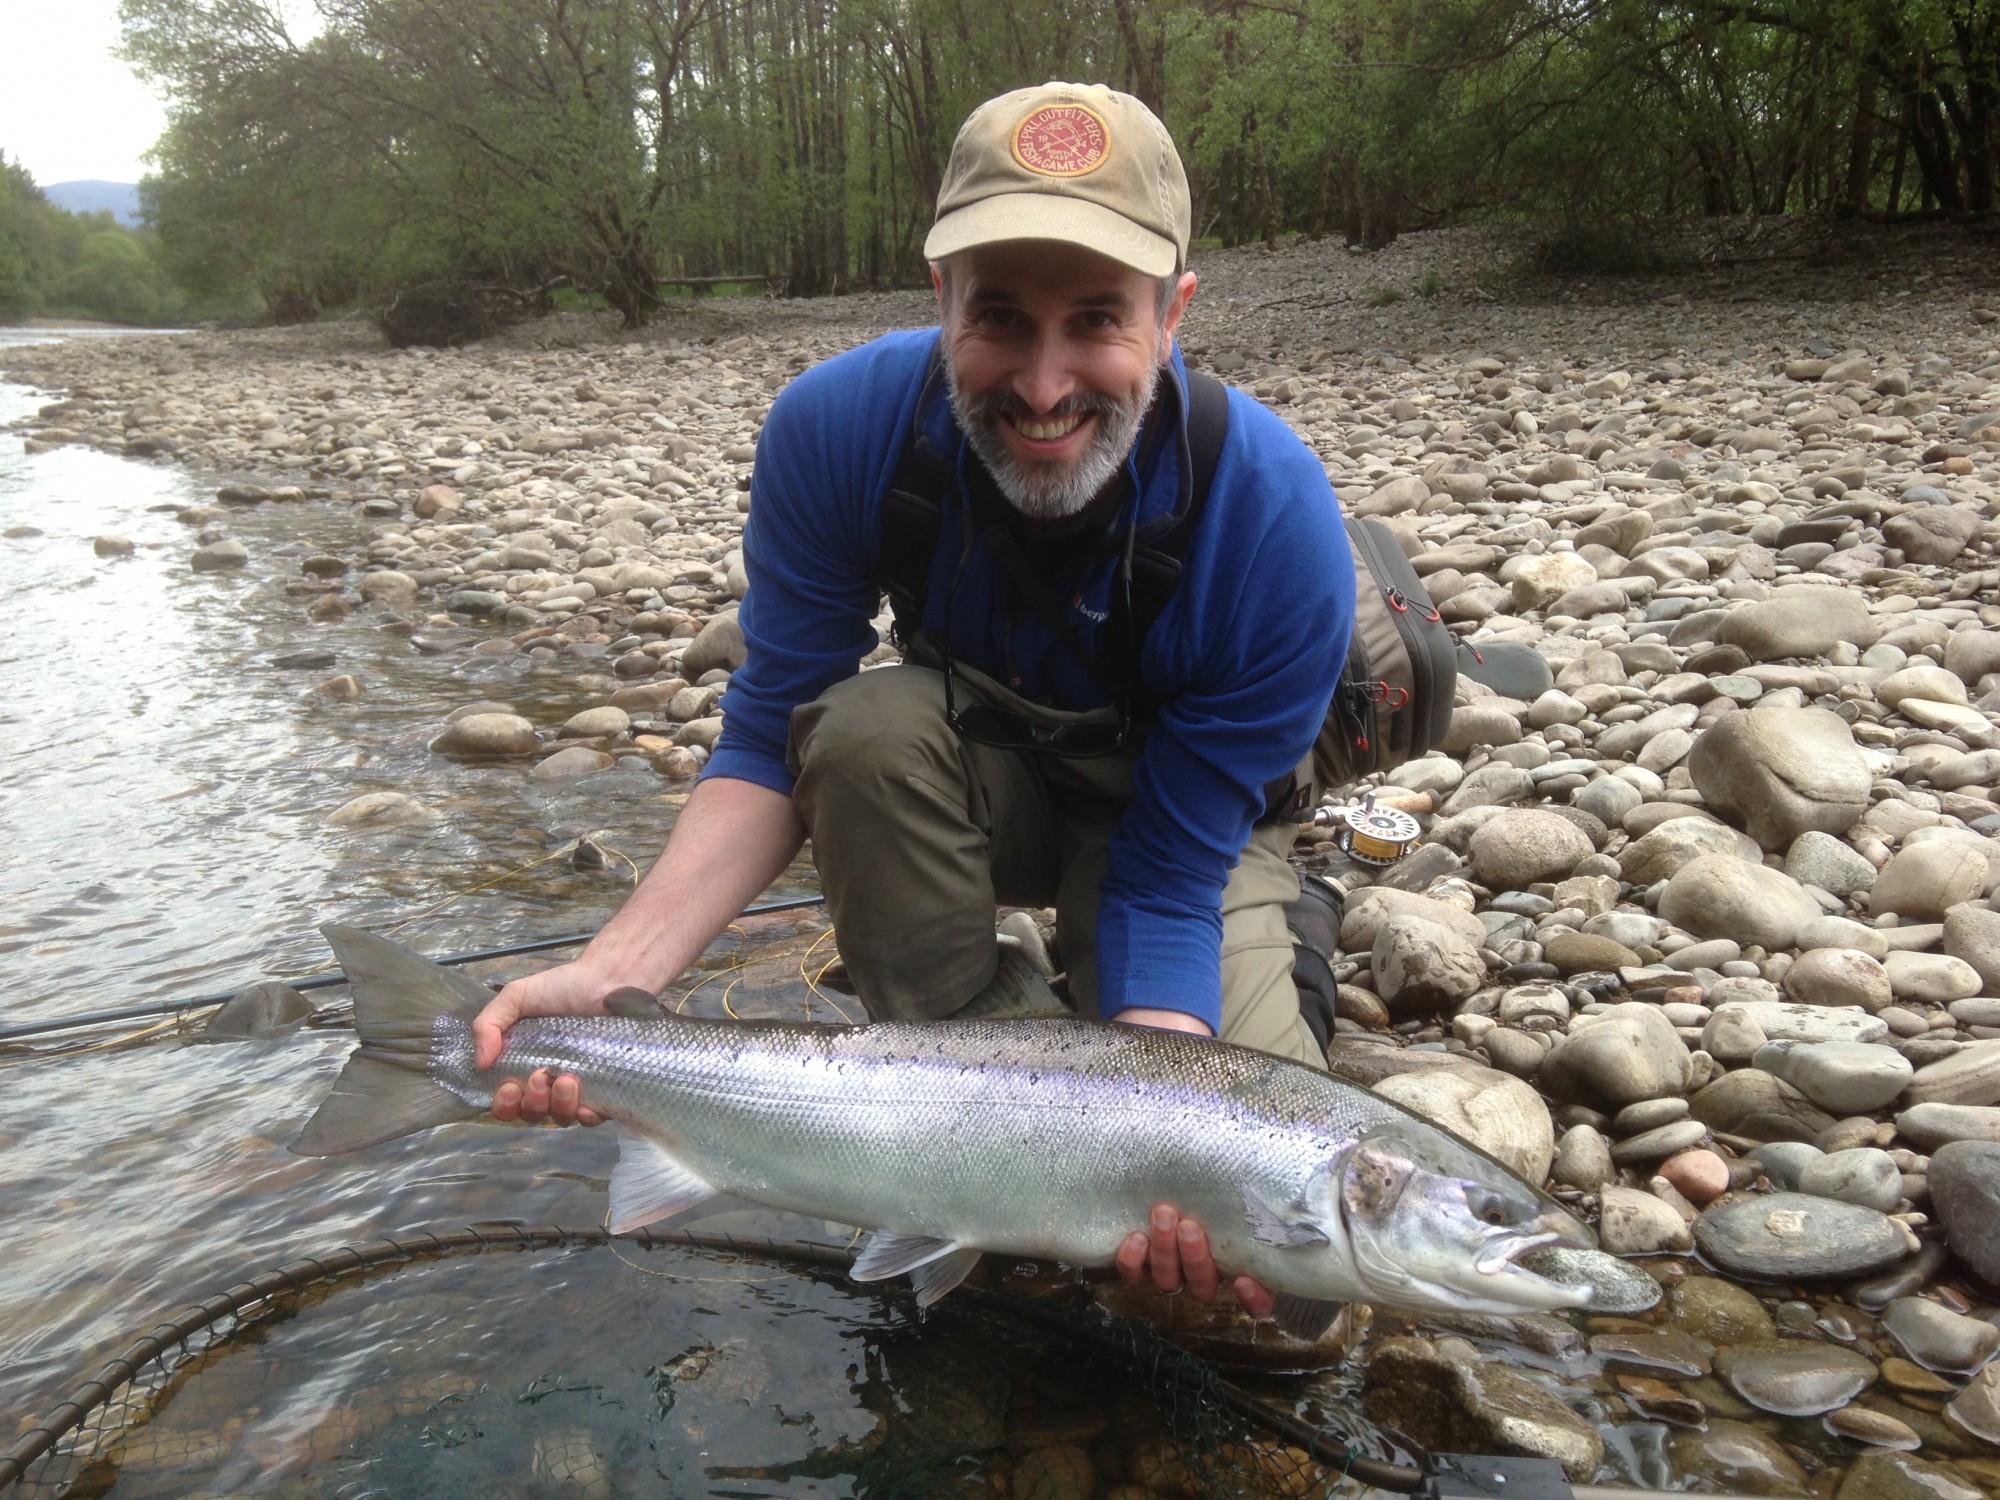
1305, 1317
885, 1253
1288, 1226
648, 1185
934, 1278
633, 1003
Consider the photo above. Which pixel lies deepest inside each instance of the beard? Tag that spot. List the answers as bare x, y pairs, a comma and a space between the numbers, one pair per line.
1052, 491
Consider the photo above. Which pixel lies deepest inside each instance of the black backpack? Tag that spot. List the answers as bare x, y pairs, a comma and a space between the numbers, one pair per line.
1394, 698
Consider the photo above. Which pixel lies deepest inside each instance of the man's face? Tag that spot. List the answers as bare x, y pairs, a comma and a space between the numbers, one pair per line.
1053, 352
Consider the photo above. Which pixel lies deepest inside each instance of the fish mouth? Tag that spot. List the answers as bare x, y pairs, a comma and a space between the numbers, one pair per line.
1501, 1263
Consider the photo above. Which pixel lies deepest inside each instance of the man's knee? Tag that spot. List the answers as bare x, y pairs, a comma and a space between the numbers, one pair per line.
873, 727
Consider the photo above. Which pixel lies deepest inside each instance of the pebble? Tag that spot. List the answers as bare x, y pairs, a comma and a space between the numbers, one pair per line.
218, 556
1631, 1222
1970, 1075
1924, 881
1839, 976
1901, 1476
1976, 1409
486, 734
1627, 1054
1699, 1176
1861, 1175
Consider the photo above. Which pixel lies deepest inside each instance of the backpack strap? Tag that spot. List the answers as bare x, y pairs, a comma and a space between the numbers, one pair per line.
912, 517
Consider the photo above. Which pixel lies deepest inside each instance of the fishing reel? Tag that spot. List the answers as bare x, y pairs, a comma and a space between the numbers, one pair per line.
1369, 834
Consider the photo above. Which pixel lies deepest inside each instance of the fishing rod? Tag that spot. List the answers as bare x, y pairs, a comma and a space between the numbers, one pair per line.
334, 977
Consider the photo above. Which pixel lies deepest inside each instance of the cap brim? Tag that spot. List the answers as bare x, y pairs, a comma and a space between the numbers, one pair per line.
1006, 217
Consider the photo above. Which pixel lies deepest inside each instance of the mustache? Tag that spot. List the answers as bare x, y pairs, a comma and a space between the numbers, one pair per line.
991, 407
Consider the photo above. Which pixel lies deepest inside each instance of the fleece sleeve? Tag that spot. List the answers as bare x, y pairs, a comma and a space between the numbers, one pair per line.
809, 546
1258, 633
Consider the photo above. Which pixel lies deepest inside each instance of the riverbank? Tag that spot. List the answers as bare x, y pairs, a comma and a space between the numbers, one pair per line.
1705, 911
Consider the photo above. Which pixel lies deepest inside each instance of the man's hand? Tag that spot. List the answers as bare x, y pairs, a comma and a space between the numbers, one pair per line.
572, 989
1176, 1252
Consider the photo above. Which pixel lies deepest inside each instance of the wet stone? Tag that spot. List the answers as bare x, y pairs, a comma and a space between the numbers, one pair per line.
1666, 1351
1938, 1338
1789, 1236
1718, 1312
1901, 1476
1617, 1287
1795, 1377
1736, 1459
1965, 1196
1877, 1429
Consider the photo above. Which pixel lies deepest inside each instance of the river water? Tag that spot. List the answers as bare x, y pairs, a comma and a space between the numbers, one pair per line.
164, 801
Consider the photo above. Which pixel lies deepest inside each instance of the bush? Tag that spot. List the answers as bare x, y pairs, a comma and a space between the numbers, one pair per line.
1610, 248
445, 314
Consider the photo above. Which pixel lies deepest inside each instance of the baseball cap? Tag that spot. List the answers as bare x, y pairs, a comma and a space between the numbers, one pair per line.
1074, 162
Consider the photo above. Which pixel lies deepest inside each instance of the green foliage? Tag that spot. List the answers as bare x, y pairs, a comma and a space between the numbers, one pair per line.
605, 149
77, 265
1382, 296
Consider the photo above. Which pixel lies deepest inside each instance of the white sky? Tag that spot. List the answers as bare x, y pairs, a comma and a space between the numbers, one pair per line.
68, 108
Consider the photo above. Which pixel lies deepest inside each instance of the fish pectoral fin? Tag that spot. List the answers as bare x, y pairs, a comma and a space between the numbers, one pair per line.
648, 1185
633, 1004
934, 1278
885, 1253
1305, 1317
1288, 1227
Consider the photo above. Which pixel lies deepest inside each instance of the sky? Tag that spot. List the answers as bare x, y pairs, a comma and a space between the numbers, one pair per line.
68, 109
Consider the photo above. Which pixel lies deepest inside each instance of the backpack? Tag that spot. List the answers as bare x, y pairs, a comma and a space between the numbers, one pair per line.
1394, 698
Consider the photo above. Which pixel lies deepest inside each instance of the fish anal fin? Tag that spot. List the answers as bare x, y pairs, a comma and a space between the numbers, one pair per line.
934, 1278
1287, 1227
884, 1253
1305, 1317
648, 1185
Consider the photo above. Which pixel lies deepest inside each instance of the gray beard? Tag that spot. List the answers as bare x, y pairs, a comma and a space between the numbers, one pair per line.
1046, 492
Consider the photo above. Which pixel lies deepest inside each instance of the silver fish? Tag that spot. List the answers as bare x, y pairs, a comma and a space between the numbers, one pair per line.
1036, 1137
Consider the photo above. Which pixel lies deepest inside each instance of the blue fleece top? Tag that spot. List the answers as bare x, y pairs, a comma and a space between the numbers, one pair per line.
1242, 661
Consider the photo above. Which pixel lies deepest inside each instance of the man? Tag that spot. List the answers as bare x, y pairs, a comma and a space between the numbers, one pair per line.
1032, 749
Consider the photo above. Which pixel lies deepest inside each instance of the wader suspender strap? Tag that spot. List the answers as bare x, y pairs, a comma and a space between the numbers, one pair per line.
913, 515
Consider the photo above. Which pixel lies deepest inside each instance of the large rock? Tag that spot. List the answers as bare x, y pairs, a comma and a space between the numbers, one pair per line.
1789, 1237
1422, 965
1661, 853
1879, 1475
1628, 1054
1932, 534
1972, 936
1926, 880
1781, 772
486, 734
1968, 1076
1369, 908
1502, 1116
1522, 845
1820, 859
1929, 1127
1754, 1106
1631, 1222
1798, 621
1839, 976
1842, 1078
1720, 896
1540, 580
718, 645
1449, 1399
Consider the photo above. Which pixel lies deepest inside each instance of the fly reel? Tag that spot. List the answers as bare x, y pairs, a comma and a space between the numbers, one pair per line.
1368, 834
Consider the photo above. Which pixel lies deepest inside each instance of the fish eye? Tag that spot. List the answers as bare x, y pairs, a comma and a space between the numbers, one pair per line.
1488, 1208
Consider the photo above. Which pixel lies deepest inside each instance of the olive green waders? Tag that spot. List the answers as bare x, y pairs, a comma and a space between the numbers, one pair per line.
919, 833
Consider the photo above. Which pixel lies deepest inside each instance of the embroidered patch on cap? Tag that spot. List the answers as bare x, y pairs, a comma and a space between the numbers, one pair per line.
1062, 140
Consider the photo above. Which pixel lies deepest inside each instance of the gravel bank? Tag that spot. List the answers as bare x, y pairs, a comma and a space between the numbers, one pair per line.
1704, 925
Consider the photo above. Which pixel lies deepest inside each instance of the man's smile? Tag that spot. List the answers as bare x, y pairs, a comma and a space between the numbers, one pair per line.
1047, 435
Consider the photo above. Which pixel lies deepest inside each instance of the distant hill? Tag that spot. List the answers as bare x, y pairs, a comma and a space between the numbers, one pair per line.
122, 198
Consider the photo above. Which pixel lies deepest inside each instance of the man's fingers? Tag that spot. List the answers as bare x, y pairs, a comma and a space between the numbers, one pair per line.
1163, 1247
535, 1097
507, 1101
564, 1097
489, 1030
585, 1115
1197, 1264
1255, 1297
1131, 1257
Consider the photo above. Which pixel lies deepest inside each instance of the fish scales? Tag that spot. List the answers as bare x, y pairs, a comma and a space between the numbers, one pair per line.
1044, 1137
927, 1130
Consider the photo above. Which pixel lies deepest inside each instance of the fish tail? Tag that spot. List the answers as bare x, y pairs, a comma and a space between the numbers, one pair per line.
386, 1089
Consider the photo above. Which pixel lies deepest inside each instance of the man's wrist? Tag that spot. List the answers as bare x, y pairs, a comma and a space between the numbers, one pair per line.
1163, 1020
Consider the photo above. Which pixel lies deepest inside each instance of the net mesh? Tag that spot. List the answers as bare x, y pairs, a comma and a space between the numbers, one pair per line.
604, 1371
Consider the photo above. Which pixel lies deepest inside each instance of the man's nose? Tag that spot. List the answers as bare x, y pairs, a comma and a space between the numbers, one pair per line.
1049, 376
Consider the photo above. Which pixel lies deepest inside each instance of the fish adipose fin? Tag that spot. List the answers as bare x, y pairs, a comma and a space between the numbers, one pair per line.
1287, 1227
1304, 1317
385, 1090
648, 1185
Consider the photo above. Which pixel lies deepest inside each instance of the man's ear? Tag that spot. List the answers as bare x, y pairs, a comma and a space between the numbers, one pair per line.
937, 285
1176, 309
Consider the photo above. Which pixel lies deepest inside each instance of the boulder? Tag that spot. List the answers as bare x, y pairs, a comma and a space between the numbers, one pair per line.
486, 734
1421, 965
1808, 620
1629, 1053
1720, 896
1925, 880
1522, 845
718, 645
1781, 772
1502, 1116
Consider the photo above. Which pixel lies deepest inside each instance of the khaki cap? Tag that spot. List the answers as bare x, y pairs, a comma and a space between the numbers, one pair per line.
1074, 162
